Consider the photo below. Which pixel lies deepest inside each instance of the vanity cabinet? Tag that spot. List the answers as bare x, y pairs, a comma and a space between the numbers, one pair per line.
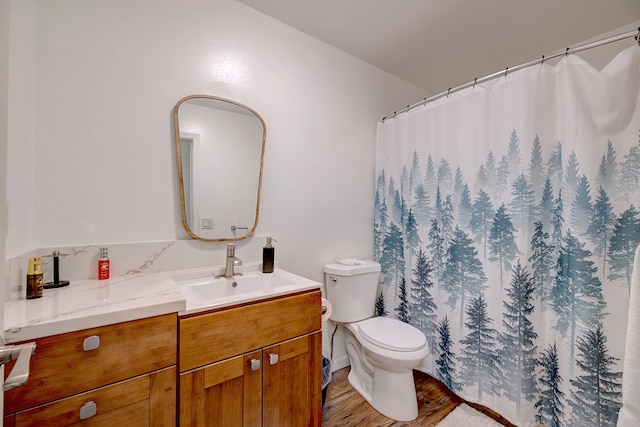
253, 365
118, 374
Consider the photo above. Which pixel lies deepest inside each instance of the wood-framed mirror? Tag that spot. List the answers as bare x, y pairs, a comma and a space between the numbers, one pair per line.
220, 147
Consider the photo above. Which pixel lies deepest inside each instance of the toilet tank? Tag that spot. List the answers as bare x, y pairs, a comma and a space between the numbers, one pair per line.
352, 290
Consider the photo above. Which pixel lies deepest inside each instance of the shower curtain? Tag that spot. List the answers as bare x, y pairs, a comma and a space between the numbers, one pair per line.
506, 221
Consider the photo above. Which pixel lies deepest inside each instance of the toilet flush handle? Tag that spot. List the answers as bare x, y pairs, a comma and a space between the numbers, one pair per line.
333, 279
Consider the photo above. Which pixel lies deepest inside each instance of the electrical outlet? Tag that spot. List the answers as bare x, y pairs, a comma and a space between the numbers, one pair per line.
206, 223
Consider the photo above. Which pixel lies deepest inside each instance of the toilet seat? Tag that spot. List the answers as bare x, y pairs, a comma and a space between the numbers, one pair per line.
392, 334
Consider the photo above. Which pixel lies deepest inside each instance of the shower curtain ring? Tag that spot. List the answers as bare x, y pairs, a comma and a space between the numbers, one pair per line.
448, 92
542, 60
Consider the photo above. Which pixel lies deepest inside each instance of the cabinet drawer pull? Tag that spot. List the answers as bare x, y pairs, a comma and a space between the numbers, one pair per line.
91, 343
88, 410
255, 364
273, 358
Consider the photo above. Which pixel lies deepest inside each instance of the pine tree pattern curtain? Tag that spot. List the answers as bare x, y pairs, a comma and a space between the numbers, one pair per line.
506, 220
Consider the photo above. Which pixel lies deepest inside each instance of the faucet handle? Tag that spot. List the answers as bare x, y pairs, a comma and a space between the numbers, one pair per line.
231, 250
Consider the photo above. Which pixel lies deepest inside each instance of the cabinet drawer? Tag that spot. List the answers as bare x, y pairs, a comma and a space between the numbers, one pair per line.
211, 337
62, 367
126, 401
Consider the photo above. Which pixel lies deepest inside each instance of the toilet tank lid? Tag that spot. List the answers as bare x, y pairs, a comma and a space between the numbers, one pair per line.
350, 270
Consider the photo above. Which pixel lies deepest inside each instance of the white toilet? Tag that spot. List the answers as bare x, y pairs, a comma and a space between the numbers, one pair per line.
383, 351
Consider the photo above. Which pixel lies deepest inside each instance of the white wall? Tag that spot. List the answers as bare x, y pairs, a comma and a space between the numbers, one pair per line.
4, 133
107, 76
21, 125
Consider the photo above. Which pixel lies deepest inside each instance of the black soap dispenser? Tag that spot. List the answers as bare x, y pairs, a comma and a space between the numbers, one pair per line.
268, 253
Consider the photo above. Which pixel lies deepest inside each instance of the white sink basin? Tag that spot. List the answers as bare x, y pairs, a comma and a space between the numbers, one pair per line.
202, 290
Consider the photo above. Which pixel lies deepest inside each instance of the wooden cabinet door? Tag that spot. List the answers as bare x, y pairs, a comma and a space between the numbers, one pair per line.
162, 398
226, 393
292, 382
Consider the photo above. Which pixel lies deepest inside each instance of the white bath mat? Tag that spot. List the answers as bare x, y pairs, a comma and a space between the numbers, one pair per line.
466, 416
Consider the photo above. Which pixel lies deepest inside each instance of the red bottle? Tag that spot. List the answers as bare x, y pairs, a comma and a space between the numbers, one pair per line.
103, 264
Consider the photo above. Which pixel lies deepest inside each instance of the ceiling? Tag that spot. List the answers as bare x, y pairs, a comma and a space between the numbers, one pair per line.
439, 44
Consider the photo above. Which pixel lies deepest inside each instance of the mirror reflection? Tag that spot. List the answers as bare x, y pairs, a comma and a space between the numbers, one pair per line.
220, 152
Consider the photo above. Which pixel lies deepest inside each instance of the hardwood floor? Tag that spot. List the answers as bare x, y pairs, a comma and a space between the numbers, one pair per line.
345, 407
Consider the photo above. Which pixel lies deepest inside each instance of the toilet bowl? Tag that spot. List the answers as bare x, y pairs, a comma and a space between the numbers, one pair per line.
382, 351
382, 365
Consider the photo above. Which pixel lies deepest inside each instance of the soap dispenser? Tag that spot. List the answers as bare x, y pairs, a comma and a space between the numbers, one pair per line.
268, 253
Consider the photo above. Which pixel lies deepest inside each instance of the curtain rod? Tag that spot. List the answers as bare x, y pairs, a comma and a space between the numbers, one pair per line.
567, 51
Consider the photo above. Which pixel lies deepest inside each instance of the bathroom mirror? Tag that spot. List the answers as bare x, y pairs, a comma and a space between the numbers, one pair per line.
220, 152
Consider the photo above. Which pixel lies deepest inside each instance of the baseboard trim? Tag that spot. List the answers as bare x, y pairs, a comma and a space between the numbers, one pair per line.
339, 363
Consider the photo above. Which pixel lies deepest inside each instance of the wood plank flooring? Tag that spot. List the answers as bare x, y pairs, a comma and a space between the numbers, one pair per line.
345, 407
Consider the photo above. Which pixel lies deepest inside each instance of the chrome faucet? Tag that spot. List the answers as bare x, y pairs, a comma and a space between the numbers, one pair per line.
232, 261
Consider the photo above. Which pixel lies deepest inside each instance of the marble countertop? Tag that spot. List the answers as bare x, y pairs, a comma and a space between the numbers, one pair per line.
92, 303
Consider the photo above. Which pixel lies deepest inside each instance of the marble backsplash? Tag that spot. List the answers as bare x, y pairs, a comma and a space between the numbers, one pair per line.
127, 259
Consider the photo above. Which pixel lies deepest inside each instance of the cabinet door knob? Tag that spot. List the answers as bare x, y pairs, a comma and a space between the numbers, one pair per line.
273, 358
255, 364
91, 343
88, 410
